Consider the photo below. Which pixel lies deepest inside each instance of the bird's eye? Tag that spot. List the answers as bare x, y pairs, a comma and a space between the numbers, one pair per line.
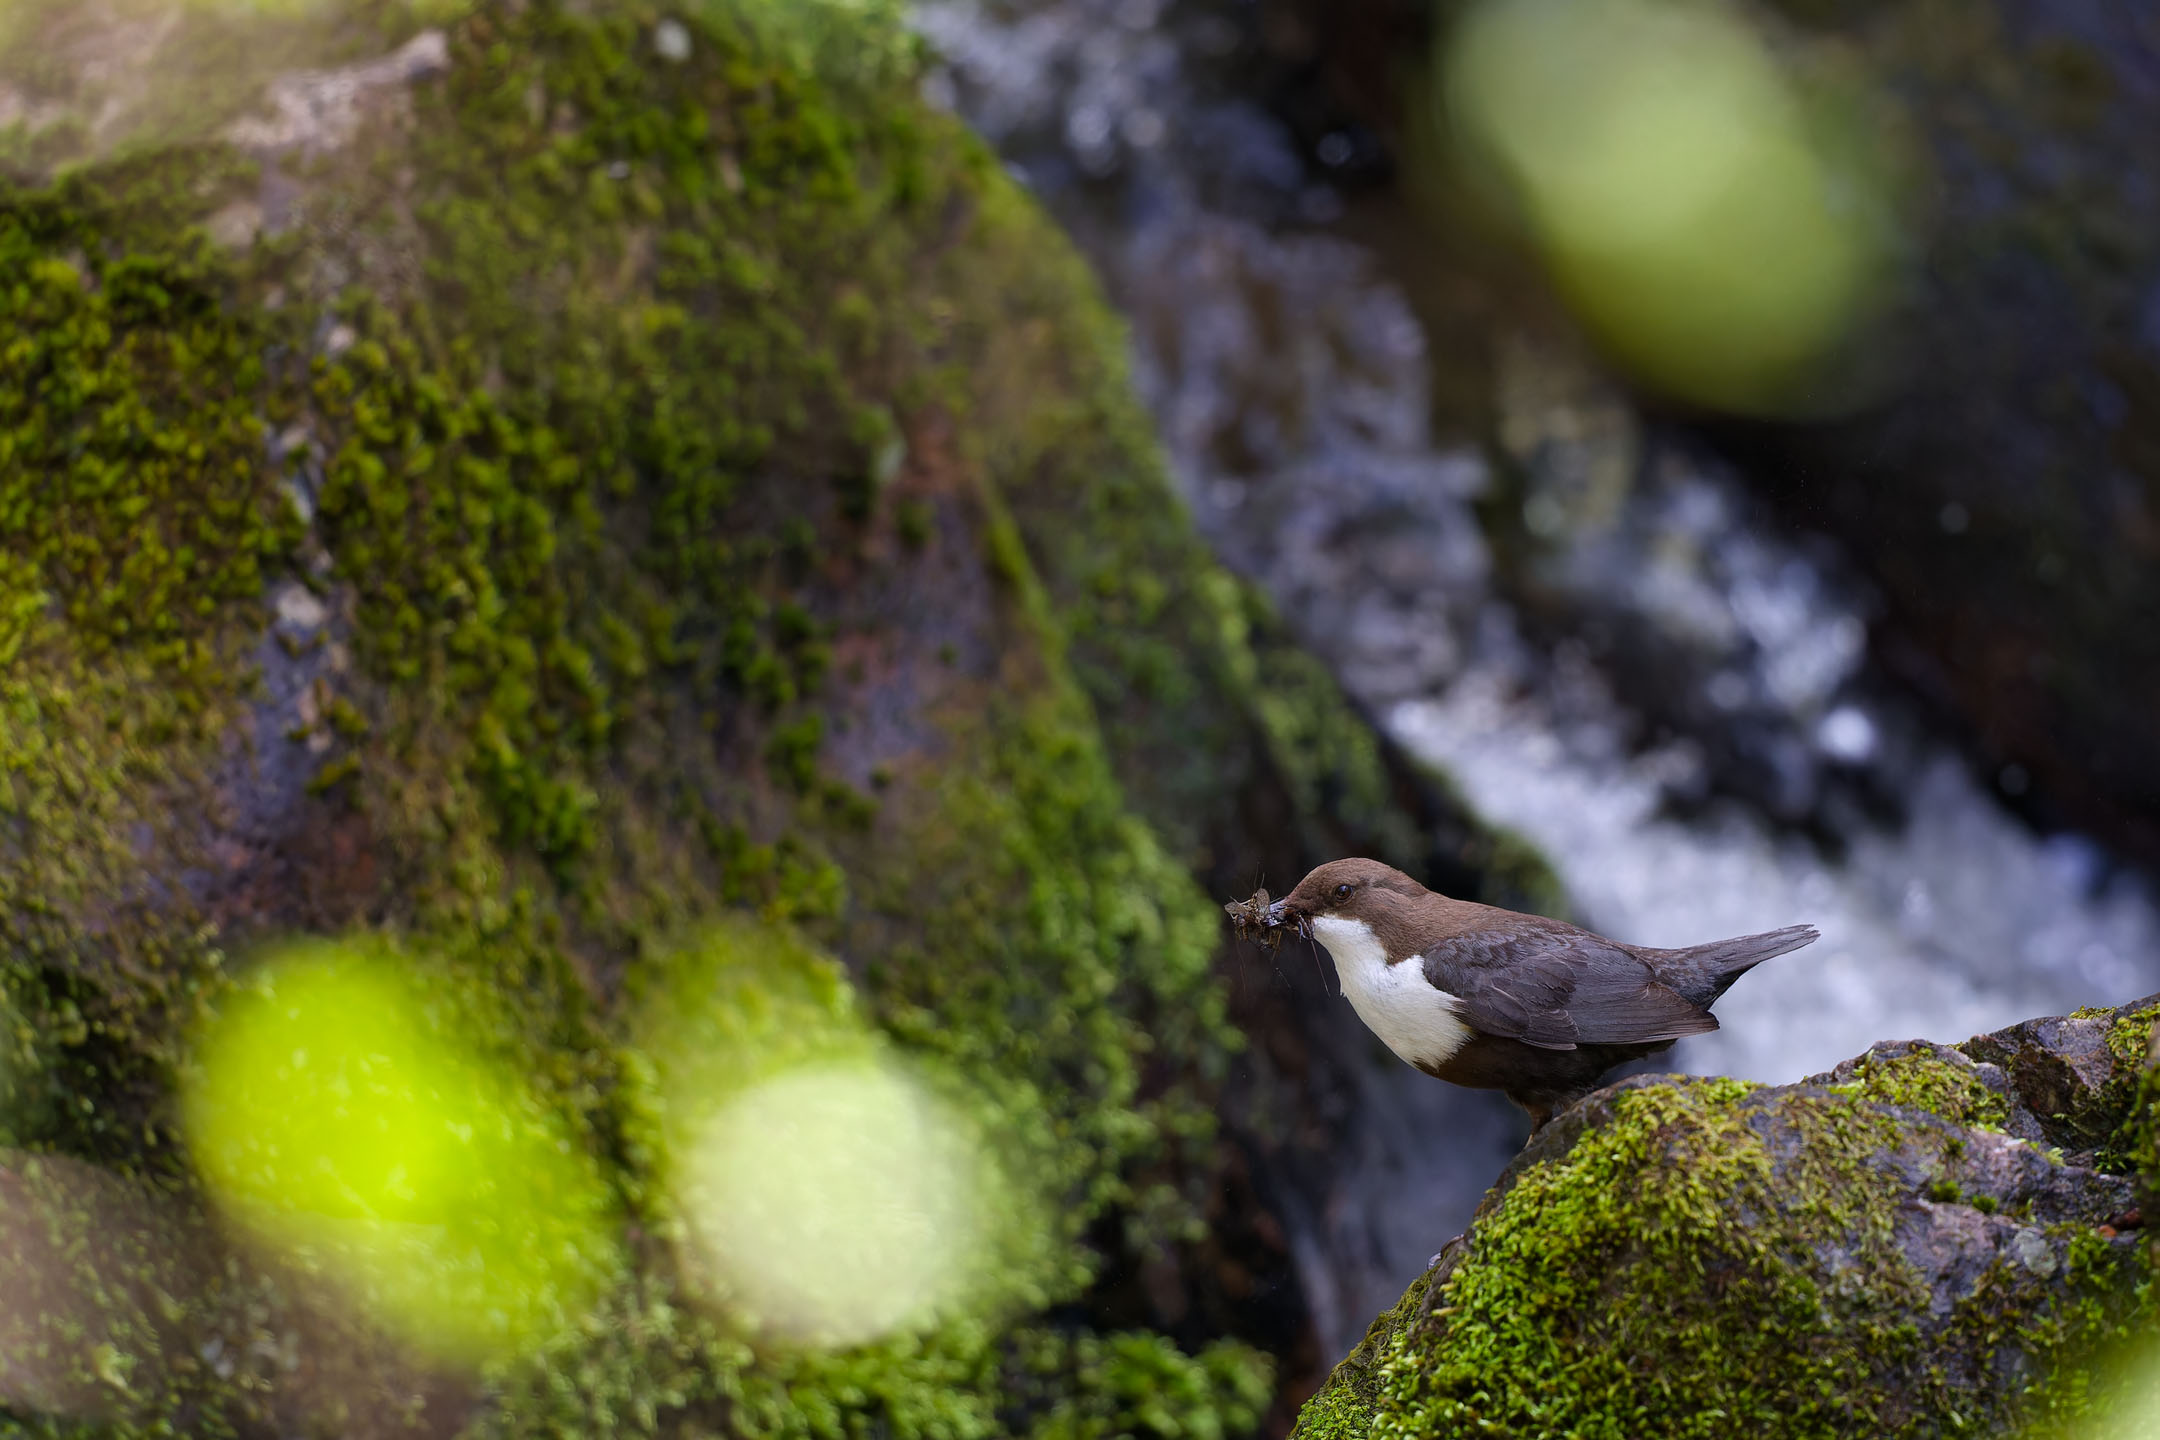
1342, 892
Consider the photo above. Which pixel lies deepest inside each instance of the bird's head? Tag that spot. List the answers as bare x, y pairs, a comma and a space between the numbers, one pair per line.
1347, 888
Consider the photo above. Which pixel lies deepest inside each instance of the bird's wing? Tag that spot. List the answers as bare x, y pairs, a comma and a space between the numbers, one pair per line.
1557, 988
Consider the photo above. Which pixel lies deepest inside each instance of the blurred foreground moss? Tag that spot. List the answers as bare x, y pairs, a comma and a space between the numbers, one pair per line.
333, 1112
1722, 211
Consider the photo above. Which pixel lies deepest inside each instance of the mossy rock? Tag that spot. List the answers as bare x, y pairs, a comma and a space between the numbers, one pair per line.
537, 482
1898, 1247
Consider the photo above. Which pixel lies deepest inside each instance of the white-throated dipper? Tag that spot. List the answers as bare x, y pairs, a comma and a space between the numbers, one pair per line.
1479, 996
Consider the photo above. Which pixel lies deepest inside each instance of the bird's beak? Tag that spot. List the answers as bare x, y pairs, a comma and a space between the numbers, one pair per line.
1280, 916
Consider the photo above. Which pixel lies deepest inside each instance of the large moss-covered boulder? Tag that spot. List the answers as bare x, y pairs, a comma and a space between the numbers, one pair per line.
526, 483
1926, 1241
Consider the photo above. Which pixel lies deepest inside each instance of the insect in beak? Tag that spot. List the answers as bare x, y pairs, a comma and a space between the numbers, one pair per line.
1263, 920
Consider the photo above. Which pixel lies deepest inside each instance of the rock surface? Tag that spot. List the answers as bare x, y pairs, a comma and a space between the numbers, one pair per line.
1926, 1240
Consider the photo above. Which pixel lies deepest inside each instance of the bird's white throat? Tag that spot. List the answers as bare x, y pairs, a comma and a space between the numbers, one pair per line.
1416, 1020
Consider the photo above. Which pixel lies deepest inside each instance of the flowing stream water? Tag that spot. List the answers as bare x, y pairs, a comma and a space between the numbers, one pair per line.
1581, 620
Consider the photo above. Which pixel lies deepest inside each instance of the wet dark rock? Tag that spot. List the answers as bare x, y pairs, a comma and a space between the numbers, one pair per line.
2070, 1076
2006, 497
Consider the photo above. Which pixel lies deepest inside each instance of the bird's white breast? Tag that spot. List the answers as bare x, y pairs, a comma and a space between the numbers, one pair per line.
1417, 1021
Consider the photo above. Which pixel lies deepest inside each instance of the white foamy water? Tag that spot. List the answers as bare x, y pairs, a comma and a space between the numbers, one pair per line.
1960, 922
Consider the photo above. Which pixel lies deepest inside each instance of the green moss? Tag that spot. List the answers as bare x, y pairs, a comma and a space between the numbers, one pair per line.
137, 528
1330, 761
643, 372
648, 1367
2103, 1380
1202, 693
1139, 1385
1336, 1413
2095, 1345
1347, 1404
738, 1004
1672, 1286
2130, 1035
1035, 856
2090, 1334
1683, 1270
135, 507
1697, 1257
618, 416
2127, 1110
1924, 1082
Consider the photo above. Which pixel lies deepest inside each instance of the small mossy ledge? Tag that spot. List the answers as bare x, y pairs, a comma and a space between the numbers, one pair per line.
701, 481
1895, 1248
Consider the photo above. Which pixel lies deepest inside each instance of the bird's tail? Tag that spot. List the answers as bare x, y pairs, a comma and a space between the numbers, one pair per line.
1704, 972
